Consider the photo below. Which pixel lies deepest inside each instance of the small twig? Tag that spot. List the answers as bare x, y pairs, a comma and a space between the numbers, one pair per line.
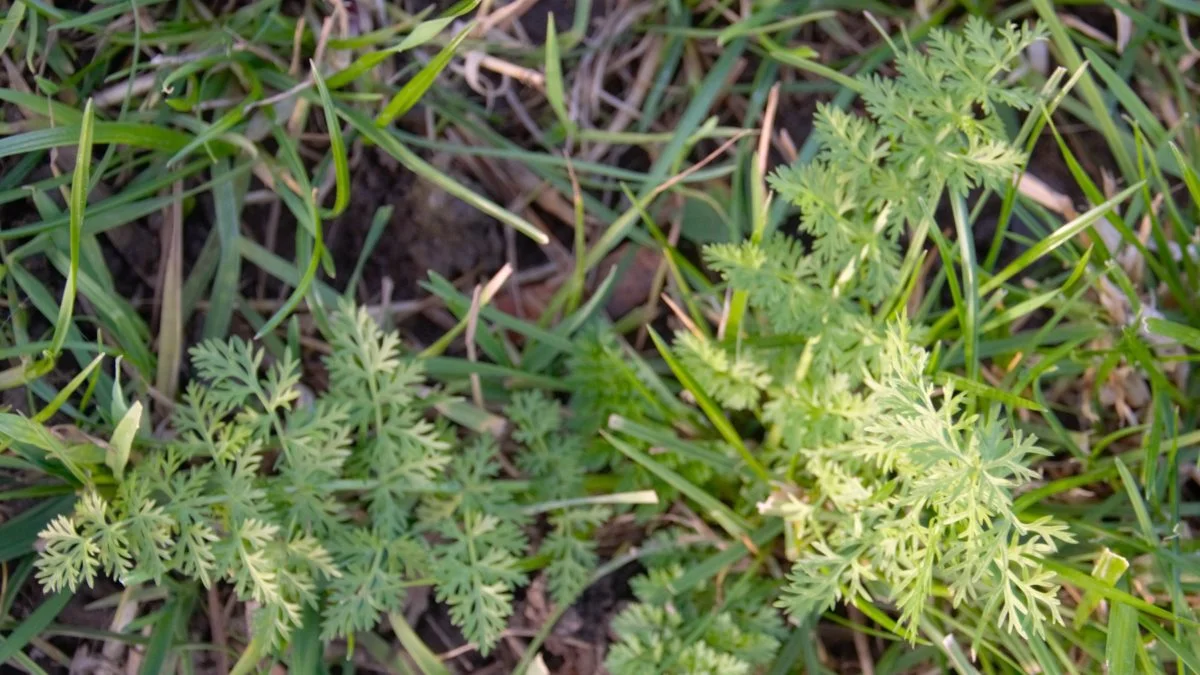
125, 613
116, 93
865, 662
216, 622
297, 44
764, 138
676, 179
500, 18
682, 316
281, 96
482, 296
472, 324
521, 74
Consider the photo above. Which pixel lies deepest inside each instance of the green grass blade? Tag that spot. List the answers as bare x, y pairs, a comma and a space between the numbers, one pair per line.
1178, 332
1127, 97
703, 571
172, 618
697, 111
415, 88
17, 536
79, 192
555, 92
133, 134
427, 30
228, 209
970, 291
710, 408
1182, 652
337, 149
1120, 649
1057, 238
667, 439
12, 20
382, 218
718, 511
390, 144
987, 391
424, 657
57, 402
32, 625
1065, 46
1113, 595
305, 208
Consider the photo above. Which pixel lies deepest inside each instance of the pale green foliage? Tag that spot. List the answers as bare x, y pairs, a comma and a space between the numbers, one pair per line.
662, 633
736, 381
341, 505
923, 494
888, 485
896, 487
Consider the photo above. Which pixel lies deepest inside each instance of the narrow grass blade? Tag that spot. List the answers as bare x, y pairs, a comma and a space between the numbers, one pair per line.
304, 208
555, 92
1061, 37
969, 322
382, 218
170, 338
307, 650
57, 402
1087, 583
91, 20
424, 657
415, 88
635, 497
757, 24
1188, 173
459, 304
12, 20
710, 408
668, 440
134, 134
390, 144
42, 106
173, 617
337, 149
703, 571
1178, 332
1056, 239
726, 518
700, 103
17, 536
427, 30
1187, 655
802, 58
1120, 648
447, 368
79, 193
228, 209
1128, 98
983, 390
32, 625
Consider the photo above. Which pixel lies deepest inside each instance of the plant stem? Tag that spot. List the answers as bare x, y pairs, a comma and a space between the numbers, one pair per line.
250, 657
